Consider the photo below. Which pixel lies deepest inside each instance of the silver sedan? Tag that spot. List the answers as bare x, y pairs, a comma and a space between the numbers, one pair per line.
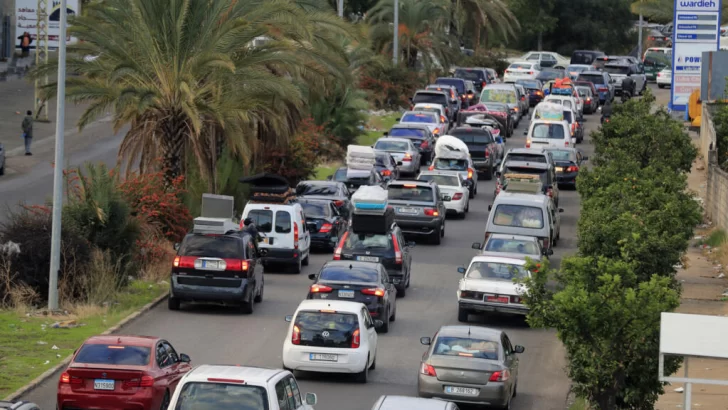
470, 364
402, 150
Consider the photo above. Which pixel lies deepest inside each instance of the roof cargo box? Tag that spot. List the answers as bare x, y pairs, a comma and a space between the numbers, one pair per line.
451, 147
370, 200
372, 224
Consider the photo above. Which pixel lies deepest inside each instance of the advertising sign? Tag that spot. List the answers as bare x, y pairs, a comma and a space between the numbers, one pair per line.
26, 19
697, 29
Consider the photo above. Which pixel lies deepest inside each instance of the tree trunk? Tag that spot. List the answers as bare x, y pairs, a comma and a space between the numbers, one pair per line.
173, 142
476, 45
539, 47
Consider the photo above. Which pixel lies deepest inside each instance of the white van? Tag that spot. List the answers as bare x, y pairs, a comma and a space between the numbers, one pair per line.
286, 239
547, 133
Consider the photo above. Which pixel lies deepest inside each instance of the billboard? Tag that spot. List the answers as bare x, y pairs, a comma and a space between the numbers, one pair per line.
26, 19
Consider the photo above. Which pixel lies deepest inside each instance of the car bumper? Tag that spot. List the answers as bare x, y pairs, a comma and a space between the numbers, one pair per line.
491, 394
409, 166
201, 293
143, 399
534, 100
664, 81
475, 306
457, 206
349, 360
567, 178
417, 227
482, 164
279, 255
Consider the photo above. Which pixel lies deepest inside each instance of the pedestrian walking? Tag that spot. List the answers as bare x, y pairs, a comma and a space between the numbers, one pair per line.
25, 41
28, 131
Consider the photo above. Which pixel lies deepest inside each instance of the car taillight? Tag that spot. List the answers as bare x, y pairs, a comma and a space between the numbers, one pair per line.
184, 261
356, 339
295, 235
397, 250
457, 196
447, 111
340, 246
572, 169
431, 212
426, 144
296, 336
373, 292
339, 203
145, 381
498, 188
500, 376
539, 93
442, 118
566, 143
407, 158
470, 173
487, 153
588, 100
428, 370
516, 299
326, 227
482, 83
528, 143
386, 173
68, 379
507, 71
236, 264
603, 89
316, 288
431, 167
242, 224
546, 243
412, 108
606, 120
550, 192
530, 72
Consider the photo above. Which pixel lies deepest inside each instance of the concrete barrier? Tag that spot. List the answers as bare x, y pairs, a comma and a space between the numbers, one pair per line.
716, 203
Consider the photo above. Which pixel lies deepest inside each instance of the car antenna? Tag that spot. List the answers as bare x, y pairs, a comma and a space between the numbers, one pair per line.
468, 330
351, 266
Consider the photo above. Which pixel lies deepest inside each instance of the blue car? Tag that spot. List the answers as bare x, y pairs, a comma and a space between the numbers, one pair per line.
602, 82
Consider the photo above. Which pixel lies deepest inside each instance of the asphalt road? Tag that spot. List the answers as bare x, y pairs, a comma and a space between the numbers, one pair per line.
219, 336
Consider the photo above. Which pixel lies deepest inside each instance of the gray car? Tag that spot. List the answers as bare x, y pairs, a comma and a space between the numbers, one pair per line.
412, 403
419, 209
513, 246
402, 150
470, 364
2, 159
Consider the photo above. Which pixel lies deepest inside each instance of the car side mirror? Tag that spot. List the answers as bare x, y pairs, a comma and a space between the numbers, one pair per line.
184, 358
525, 132
399, 163
398, 119
329, 178
311, 399
411, 244
385, 133
425, 341
476, 245
490, 207
289, 318
378, 324
312, 276
561, 210
461, 270
547, 252
519, 349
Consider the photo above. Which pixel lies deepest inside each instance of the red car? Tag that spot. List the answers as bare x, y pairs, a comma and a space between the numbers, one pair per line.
122, 373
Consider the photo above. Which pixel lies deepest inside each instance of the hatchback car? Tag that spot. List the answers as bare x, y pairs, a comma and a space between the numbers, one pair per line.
363, 282
591, 103
568, 161
479, 76
442, 97
470, 364
438, 109
418, 208
402, 150
419, 134
454, 193
460, 88
533, 90
602, 81
117, 372
430, 119
482, 147
453, 95
545, 172
324, 222
386, 166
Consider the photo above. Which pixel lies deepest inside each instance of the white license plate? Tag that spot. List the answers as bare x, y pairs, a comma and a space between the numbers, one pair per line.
103, 384
412, 211
466, 391
321, 357
368, 258
346, 294
559, 169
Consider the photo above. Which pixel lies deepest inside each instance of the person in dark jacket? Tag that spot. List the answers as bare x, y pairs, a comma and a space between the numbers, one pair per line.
25, 41
27, 127
628, 87
252, 230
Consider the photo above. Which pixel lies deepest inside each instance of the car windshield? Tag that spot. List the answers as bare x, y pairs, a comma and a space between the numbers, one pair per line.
349, 273
472, 136
384, 145
461, 346
415, 193
316, 209
442, 180
521, 216
529, 83
435, 98
548, 75
475, 76
520, 66
407, 132
619, 70
224, 247
499, 95
562, 155
421, 118
326, 329
221, 396
550, 131
121, 355
510, 245
592, 78
525, 157
451, 164
316, 189
496, 271
360, 241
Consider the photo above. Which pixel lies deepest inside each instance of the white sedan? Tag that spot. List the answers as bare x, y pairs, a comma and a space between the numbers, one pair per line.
431, 119
437, 109
522, 70
455, 195
664, 78
488, 286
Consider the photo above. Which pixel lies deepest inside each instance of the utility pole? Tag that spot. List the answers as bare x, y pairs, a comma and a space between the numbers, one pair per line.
639, 41
395, 46
58, 166
41, 57
341, 8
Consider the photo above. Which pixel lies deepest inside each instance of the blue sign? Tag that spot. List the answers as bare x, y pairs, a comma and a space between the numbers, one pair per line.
687, 17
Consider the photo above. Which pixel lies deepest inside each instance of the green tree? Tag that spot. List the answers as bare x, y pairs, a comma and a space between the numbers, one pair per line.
609, 323
537, 18
478, 19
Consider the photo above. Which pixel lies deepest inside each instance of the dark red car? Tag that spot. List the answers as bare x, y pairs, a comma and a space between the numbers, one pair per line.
122, 373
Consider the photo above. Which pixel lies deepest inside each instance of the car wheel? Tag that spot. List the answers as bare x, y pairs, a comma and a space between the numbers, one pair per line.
364, 374
304, 262
385, 327
2, 170
442, 230
489, 174
467, 207
463, 315
394, 315
297, 266
248, 307
508, 405
660, 85
435, 237
173, 303
409, 279
259, 296
165, 401
374, 363
402, 292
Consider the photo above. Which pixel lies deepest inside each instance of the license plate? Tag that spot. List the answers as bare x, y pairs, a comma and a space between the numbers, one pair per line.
346, 294
368, 258
320, 357
559, 169
103, 384
497, 299
408, 210
467, 391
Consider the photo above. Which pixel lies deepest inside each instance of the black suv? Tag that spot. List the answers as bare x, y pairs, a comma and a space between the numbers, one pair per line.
479, 76
217, 268
418, 208
389, 249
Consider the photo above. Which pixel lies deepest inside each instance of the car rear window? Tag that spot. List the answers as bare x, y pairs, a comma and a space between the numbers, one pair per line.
490, 106
406, 132
592, 78
458, 83
520, 216
410, 193
222, 396
445, 164
549, 131
435, 98
526, 170
531, 84
567, 113
442, 180
472, 75
362, 241
262, 218
461, 346
474, 136
421, 118
317, 189
526, 157
548, 75
499, 95
582, 58
346, 274
224, 247
317, 209
520, 66
113, 355
385, 145
510, 245
283, 222
339, 328
562, 155
616, 70
495, 271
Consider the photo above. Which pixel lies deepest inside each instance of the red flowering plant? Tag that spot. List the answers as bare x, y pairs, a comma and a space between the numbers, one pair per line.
390, 87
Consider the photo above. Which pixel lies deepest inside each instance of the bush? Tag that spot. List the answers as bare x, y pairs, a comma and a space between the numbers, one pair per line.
389, 87
341, 114
230, 168
490, 59
720, 120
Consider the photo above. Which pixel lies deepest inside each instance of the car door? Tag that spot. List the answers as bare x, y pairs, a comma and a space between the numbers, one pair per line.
178, 368
165, 362
385, 283
368, 322
554, 185
295, 399
306, 233
282, 395
340, 225
511, 357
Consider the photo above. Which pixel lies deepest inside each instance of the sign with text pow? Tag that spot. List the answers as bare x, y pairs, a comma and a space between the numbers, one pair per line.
696, 29
26, 19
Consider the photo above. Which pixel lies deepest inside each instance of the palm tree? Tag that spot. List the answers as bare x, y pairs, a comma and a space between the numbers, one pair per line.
183, 74
485, 16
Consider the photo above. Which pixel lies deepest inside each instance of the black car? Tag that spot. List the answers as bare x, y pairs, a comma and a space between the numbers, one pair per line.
479, 76
386, 166
389, 249
324, 222
568, 162
586, 56
356, 178
548, 74
333, 191
363, 282
420, 135
217, 268
460, 87
534, 88
418, 208
482, 147
544, 171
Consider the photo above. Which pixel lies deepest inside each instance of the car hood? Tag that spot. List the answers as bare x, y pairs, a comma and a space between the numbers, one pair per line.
499, 287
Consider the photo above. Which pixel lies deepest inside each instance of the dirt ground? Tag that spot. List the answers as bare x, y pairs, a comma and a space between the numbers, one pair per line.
703, 294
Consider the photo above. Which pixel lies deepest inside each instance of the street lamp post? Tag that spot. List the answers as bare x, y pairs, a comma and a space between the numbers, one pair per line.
395, 47
341, 8
58, 165
639, 41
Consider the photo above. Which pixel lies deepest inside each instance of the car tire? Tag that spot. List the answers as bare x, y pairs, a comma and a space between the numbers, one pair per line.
385, 327
165, 401
489, 174
515, 389
435, 237
393, 317
2, 170
173, 303
463, 315
461, 215
402, 292
267, 269
507, 406
259, 296
364, 374
297, 266
247, 307
442, 230
660, 85
374, 363
304, 262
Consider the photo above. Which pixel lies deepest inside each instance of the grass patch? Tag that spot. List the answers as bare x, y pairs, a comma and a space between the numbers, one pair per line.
579, 404
716, 238
379, 123
27, 338
324, 171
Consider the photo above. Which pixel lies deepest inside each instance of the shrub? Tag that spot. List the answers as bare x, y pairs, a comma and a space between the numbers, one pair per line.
389, 87
720, 120
490, 59
341, 114
230, 168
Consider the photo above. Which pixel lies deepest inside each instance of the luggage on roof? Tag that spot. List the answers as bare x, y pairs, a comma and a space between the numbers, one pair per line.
372, 224
451, 147
370, 200
360, 157
269, 188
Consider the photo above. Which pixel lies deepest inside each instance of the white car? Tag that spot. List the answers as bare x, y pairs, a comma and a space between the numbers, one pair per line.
546, 133
544, 59
574, 104
664, 78
455, 195
331, 336
513, 246
440, 111
227, 386
432, 120
522, 70
488, 286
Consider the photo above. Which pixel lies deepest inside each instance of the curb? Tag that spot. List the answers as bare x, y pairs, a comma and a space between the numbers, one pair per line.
50, 372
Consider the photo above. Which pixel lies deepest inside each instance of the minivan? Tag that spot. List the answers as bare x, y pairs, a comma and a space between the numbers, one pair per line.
506, 94
546, 133
527, 215
286, 239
